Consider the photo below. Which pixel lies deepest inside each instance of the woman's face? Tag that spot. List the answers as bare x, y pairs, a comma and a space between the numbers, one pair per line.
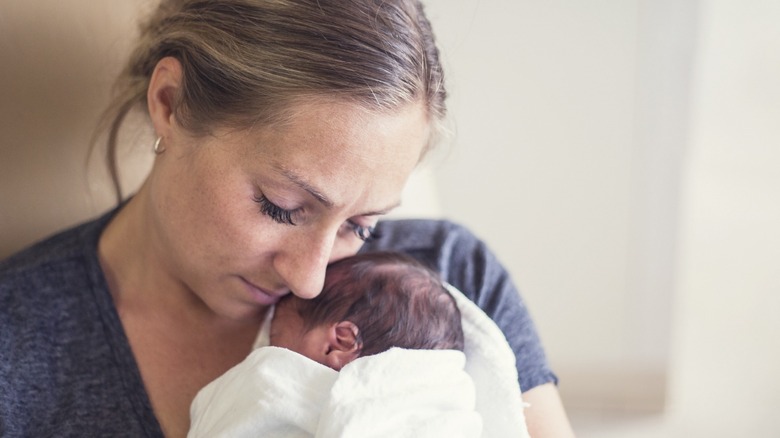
242, 218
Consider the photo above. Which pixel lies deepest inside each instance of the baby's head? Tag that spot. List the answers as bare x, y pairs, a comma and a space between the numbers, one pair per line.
370, 303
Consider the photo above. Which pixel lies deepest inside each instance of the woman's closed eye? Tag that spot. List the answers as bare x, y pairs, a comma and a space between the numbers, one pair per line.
287, 217
276, 213
363, 233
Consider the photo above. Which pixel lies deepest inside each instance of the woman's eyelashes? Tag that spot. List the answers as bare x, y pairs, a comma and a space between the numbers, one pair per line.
363, 233
276, 213
284, 216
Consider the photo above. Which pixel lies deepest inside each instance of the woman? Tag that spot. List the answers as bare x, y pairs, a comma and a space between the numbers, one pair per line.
285, 129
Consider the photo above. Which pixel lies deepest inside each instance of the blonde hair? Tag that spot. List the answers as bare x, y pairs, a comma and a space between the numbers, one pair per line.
245, 62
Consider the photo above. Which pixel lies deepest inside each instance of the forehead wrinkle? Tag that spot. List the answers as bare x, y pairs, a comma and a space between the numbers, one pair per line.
303, 184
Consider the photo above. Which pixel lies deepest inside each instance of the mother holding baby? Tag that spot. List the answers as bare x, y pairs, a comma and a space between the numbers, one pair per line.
284, 130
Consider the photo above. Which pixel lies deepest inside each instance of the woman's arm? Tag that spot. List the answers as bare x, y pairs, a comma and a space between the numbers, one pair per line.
546, 417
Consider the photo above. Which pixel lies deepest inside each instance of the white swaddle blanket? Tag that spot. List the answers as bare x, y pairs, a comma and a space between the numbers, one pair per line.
279, 393
420, 393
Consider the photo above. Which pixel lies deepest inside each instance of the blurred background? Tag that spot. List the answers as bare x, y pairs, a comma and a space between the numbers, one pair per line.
620, 156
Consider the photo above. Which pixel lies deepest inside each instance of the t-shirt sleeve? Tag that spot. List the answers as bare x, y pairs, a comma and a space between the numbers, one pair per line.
465, 261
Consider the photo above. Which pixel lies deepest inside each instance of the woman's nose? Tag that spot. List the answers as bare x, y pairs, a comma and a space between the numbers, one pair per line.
303, 261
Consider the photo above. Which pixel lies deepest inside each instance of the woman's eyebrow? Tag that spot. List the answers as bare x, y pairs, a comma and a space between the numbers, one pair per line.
300, 182
322, 198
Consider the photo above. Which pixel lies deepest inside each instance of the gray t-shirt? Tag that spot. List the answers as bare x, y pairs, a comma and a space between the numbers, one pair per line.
66, 367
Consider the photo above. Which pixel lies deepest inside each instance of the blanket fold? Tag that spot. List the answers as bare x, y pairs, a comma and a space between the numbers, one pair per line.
402, 393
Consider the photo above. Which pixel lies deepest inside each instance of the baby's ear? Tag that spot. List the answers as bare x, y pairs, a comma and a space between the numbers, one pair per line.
344, 346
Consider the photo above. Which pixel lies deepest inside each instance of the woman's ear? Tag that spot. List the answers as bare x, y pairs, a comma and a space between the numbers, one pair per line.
343, 344
160, 96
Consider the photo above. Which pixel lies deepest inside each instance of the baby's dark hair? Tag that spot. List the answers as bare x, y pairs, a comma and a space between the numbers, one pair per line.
394, 300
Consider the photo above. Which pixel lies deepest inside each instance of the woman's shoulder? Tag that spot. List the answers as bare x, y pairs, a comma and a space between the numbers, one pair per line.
55, 248
48, 286
53, 263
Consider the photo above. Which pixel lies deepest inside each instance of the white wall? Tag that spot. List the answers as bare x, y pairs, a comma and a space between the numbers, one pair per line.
725, 352
727, 325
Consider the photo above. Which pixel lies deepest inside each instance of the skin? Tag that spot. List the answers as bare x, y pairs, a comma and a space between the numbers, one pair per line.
546, 417
192, 261
288, 331
333, 345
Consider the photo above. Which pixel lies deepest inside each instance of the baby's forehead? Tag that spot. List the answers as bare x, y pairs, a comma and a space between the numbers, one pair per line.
286, 308
287, 318
286, 304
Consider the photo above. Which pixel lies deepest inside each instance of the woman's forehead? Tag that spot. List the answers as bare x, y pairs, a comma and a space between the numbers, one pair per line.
332, 149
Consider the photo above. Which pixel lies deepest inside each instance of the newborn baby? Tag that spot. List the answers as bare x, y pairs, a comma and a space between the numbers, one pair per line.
370, 303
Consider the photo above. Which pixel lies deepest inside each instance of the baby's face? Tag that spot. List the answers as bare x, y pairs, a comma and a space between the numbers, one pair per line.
288, 331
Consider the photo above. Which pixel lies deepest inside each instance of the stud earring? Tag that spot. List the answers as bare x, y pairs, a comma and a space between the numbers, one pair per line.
158, 149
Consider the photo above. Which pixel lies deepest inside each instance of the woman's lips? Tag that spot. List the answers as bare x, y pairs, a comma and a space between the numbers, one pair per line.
260, 295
